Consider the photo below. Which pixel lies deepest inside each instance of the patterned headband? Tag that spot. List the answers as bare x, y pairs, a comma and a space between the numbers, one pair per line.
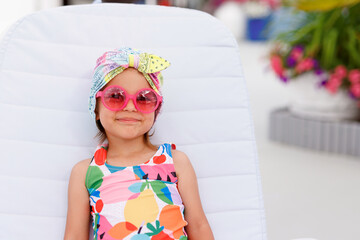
115, 61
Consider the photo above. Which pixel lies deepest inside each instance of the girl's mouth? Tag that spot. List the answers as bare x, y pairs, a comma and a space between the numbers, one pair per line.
128, 120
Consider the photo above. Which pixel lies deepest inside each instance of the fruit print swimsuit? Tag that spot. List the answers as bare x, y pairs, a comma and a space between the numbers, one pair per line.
139, 202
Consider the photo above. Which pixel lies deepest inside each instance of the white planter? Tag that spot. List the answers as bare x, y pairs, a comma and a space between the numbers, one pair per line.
310, 101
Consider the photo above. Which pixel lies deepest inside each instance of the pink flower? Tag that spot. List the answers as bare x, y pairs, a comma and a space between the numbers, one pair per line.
354, 76
334, 83
305, 65
332, 87
355, 89
296, 53
335, 79
277, 65
341, 71
308, 63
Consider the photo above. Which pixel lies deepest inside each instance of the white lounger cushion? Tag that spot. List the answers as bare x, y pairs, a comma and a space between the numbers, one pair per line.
46, 63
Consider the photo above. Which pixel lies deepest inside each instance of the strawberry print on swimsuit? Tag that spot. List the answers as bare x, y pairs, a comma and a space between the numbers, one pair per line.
139, 202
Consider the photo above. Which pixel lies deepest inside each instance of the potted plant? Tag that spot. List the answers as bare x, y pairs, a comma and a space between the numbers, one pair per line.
320, 59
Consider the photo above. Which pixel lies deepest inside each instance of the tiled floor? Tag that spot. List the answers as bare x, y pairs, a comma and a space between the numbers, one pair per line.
307, 194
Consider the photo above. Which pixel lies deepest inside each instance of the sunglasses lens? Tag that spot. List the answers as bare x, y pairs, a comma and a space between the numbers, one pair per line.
114, 98
146, 100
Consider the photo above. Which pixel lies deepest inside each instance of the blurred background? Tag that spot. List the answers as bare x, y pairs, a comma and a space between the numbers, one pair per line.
301, 61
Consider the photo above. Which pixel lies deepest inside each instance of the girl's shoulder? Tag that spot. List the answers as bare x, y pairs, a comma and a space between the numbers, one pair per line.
81, 167
181, 161
84, 164
78, 174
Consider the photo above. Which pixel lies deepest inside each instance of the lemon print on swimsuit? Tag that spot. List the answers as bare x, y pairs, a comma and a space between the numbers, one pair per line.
142, 208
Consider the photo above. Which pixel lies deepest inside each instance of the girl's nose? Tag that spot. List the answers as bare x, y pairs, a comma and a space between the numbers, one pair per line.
130, 106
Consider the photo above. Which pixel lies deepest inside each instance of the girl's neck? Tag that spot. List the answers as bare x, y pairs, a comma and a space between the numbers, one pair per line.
125, 148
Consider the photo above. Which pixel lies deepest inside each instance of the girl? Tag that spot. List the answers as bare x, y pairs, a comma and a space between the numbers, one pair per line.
136, 190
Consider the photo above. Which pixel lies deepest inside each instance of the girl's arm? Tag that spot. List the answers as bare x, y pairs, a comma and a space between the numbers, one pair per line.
198, 227
78, 213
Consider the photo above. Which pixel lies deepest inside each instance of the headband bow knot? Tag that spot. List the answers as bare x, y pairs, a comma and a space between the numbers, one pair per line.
146, 63
114, 62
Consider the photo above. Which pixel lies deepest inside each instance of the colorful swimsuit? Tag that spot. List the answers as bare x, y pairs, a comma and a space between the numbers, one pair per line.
139, 202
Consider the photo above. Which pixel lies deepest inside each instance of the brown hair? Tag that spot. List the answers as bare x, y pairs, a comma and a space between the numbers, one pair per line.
101, 135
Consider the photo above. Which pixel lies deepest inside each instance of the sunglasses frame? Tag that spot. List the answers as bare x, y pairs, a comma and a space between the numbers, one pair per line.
127, 98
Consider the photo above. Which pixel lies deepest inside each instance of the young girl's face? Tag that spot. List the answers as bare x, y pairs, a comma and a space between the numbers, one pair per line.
131, 80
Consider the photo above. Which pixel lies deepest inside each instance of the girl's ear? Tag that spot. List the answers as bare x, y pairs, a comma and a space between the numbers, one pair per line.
96, 112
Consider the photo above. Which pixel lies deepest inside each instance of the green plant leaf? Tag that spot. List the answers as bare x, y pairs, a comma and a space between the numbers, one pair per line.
329, 47
301, 33
354, 55
333, 16
314, 45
